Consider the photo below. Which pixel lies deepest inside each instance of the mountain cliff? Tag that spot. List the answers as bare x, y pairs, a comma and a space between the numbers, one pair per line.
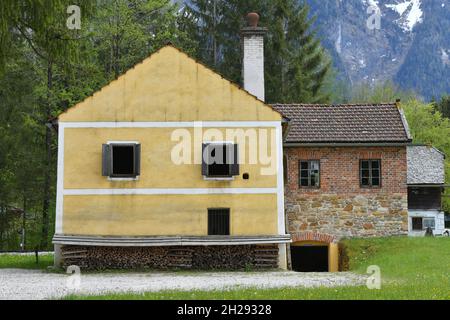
407, 41
373, 41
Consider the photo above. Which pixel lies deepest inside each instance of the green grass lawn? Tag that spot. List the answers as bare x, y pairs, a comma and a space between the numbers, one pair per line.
25, 261
411, 268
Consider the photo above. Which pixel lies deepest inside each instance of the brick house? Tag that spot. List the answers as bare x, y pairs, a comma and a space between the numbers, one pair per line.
345, 176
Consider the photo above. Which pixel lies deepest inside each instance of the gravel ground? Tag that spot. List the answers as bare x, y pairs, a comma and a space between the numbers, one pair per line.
33, 284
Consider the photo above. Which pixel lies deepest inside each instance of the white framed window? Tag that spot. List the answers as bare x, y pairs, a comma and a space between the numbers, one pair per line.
121, 160
429, 223
220, 160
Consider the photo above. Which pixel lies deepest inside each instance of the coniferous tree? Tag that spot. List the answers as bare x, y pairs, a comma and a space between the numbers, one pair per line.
296, 66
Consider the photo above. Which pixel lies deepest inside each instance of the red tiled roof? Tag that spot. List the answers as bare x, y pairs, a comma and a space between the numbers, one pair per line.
345, 123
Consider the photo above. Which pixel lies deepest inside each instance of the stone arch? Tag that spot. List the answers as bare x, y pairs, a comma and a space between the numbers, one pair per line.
313, 236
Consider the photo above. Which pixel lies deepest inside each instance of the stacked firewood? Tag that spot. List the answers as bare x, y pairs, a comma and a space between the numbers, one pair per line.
237, 257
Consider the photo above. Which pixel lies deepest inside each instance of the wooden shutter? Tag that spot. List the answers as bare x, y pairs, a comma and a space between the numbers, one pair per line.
204, 165
137, 159
106, 160
234, 162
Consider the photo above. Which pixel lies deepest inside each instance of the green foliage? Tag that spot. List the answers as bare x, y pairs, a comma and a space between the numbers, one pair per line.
443, 106
28, 261
296, 66
46, 68
384, 92
428, 126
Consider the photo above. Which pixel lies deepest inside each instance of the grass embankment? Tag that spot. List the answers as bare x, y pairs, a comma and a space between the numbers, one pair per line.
411, 268
25, 261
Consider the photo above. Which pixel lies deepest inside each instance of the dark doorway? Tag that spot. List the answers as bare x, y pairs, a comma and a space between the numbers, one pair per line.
309, 258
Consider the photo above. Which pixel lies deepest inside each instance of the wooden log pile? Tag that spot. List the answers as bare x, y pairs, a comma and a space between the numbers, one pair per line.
238, 257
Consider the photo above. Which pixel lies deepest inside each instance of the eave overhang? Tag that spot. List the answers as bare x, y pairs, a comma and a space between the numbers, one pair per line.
153, 241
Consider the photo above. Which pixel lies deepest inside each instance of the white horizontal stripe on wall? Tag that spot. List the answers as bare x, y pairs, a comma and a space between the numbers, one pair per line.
192, 124
141, 191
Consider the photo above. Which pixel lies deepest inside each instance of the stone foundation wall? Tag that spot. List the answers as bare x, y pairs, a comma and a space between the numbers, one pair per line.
238, 257
348, 216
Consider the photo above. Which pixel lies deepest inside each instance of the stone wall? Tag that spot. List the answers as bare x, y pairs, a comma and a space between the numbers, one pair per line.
340, 207
236, 257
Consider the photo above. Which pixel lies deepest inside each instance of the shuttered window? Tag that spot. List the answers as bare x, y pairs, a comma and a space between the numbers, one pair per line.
121, 160
218, 221
370, 173
220, 160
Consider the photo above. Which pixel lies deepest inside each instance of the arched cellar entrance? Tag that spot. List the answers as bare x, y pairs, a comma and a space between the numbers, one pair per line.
314, 252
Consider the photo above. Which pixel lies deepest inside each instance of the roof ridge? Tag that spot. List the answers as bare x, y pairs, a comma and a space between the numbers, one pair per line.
338, 104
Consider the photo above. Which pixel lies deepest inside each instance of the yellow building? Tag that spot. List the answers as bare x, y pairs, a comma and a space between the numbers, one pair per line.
170, 165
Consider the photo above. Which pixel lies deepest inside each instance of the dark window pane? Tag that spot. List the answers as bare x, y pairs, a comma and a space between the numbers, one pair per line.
365, 181
123, 160
365, 173
417, 223
375, 164
375, 181
304, 165
376, 173
365, 164
304, 173
217, 164
304, 182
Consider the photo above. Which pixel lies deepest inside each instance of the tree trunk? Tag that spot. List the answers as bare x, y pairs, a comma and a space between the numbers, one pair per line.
24, 220
48, 159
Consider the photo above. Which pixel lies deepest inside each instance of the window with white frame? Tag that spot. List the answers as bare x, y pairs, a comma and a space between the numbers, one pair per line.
220, 160
121, 159
420, 223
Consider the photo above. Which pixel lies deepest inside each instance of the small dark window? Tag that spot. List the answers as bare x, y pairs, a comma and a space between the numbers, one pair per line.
218, 222
370, 173
309, 173
220, 160
417, 224
447, 221
121, 160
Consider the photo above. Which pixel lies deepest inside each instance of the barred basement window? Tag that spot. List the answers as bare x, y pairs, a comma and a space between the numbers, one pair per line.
220, 160
309, 173
420, 223
218, 221
121, 160
417, 224
370, 173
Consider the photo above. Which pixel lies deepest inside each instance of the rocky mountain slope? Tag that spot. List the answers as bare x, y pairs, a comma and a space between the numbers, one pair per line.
409, 43
372, 41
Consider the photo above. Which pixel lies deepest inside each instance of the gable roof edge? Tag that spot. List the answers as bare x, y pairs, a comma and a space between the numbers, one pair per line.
56, 118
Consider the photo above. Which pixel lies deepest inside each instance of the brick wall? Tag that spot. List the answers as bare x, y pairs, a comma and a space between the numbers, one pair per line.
340, 207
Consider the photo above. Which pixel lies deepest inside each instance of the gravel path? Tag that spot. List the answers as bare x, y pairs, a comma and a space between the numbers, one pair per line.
34, 284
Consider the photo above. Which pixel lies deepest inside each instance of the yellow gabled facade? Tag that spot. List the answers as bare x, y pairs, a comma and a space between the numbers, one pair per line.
168, 95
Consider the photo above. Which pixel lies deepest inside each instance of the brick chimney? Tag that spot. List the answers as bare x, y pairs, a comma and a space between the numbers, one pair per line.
252, 42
